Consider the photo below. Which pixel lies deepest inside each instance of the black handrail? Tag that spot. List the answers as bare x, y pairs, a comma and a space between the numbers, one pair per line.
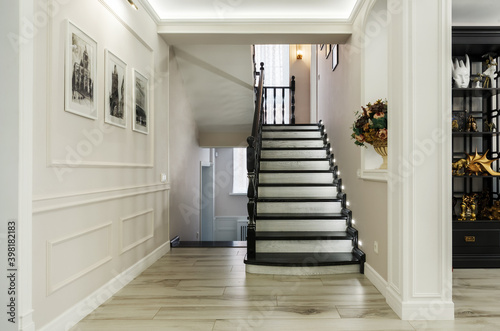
253, 152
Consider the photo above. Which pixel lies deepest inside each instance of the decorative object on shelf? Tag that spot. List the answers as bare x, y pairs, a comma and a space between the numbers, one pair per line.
370, 127
80, 85
478, 80
471, 124
461, 72
480, 164
468, 206
454, 126
491, 70
489, 126
482, 203
493, 212
458, 168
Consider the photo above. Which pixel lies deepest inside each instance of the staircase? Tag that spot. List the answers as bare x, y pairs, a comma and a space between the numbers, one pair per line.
299, 223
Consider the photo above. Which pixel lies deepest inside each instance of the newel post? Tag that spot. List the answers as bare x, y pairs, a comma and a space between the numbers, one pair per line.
292, 91
251, 206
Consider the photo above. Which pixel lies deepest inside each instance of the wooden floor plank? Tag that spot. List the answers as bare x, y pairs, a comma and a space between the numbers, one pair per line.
207, 289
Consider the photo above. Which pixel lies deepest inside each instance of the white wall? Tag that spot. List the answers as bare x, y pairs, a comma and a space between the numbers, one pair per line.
226, 204
339, 96
9, 138
185, 161
99, 207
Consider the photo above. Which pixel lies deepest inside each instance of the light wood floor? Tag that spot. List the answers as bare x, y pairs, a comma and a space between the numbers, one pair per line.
207, 289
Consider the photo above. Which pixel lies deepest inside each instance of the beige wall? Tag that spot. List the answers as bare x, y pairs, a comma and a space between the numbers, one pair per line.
99, 207
185, 162
339, 96
301, 70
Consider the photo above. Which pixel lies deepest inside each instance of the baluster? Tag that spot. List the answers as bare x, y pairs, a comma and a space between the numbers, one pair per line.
274, 104
283, 106
265, 106
292, 90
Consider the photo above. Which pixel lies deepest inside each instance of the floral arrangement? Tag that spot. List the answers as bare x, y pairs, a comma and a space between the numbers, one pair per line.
371, 124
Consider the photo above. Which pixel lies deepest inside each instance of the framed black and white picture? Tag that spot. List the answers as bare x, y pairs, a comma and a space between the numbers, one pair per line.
140, 118
80, 90
328, 50
335, 56
115, 81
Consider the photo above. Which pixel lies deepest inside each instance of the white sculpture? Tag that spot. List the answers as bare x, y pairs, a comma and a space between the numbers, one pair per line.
490, 72
461, 72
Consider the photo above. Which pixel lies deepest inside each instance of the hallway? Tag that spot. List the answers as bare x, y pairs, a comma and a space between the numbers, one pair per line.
208, 289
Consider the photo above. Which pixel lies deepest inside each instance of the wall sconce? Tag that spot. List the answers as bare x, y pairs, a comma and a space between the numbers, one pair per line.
133, 4
299, 52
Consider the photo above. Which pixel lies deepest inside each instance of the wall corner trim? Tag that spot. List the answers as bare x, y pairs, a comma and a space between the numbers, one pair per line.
76, 313
377, 280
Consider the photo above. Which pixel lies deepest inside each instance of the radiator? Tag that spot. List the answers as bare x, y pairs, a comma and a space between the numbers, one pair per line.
242, 230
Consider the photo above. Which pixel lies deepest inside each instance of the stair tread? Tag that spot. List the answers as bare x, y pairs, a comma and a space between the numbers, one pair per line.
293, 148
305, 216
292, 139
291, 130
299, 199
314, 159
303, 235
296, 171
297, 184
290, 125
303, 259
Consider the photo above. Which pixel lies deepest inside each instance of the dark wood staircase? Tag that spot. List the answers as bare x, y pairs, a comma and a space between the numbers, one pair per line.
302, 224
299, 222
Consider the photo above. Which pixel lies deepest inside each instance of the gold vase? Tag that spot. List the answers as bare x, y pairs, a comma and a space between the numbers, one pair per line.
381, 148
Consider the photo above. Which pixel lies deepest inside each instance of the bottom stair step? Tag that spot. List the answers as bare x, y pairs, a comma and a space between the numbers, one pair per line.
304, 263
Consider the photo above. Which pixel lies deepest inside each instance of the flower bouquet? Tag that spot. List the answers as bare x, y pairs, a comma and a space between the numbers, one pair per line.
370, 127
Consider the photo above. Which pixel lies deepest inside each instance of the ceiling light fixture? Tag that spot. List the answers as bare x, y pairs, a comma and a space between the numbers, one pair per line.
133, 4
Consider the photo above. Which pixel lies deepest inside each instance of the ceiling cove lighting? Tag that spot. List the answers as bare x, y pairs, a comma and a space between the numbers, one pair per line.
133, 4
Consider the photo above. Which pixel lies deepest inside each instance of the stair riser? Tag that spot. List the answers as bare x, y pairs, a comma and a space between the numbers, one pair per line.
312, 178
294, 165
293, 134
302, 271
294, 154
289, 127
304, 246
297, 191
291, 143
298, 207
301, 225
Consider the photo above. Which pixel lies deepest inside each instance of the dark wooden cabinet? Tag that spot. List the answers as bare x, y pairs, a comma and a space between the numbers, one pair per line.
476, 243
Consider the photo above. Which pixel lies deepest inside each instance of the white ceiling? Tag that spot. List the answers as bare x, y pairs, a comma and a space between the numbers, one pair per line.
253, 9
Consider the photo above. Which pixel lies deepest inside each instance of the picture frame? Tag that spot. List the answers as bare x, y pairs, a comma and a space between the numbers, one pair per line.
80, 83
335, 56
328, 50
140, 103
115, 92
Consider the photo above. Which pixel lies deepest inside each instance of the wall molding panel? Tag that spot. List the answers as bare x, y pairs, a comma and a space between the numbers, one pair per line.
51, 260
129, 219
49, 203
77, 312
